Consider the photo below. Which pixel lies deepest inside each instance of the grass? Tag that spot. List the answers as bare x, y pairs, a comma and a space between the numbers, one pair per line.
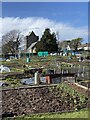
49, 62
46, 62
77, 114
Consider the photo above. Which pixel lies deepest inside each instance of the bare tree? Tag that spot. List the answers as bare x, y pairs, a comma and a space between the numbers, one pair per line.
11, 42
62, 45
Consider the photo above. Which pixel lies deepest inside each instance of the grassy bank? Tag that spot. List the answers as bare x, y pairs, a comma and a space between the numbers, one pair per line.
80, 114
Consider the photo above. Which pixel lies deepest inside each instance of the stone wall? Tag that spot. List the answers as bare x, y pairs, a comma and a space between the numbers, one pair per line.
40, 99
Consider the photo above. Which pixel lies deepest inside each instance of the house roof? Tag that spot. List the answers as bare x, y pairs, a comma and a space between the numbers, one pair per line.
85, 45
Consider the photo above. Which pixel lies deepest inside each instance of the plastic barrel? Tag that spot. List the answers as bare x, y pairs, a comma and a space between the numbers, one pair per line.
28, 59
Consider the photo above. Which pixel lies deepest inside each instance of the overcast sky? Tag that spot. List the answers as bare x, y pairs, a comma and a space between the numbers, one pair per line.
69, 19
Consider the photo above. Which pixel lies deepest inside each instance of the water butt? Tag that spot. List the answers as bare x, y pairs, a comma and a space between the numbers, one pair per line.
37, 79
28, 59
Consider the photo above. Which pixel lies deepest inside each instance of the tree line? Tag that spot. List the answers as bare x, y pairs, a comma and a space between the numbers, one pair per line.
48, 42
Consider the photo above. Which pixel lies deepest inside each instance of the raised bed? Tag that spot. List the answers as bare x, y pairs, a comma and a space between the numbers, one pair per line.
43, 99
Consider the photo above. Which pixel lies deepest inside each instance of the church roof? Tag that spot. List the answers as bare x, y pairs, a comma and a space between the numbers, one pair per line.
32, 45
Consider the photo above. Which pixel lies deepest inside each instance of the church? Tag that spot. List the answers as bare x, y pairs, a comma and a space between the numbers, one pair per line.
30, 43
31, 39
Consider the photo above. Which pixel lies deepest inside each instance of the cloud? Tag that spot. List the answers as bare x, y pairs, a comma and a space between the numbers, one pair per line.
38, 25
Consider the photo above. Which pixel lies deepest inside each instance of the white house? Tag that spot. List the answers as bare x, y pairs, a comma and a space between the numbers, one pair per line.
68, 47
84, 46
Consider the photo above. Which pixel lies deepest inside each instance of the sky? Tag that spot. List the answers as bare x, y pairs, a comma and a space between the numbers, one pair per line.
68, 19
45, 0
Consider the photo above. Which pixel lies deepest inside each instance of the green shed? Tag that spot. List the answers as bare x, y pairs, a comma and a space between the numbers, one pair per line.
45, 53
